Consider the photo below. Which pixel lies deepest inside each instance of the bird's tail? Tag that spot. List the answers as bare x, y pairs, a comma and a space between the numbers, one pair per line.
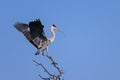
21, 27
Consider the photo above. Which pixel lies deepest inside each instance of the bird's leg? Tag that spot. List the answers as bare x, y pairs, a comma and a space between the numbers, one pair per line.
43, 52
38, 52
46, 50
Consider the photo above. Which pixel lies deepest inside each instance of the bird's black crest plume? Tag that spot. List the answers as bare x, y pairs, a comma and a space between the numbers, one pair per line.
54, 25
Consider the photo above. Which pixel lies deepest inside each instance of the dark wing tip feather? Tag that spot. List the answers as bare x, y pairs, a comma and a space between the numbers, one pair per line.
36, 22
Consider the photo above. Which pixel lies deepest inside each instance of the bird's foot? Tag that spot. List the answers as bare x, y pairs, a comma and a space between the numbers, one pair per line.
47, 54
43, 54
36, 53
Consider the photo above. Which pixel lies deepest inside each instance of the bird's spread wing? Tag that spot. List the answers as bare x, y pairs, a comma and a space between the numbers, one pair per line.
36, 29
37, 33
33, 32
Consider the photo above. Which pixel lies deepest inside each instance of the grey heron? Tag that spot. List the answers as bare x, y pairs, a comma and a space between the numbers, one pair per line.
35, 34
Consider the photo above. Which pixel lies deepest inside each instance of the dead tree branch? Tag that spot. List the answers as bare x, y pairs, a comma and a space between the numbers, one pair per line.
51, 76
40, 64
56, 66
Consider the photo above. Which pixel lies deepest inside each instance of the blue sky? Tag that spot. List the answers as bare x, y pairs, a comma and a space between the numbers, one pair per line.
89, 49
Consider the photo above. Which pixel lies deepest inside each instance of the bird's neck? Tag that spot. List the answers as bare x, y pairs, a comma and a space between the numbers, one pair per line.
53, 35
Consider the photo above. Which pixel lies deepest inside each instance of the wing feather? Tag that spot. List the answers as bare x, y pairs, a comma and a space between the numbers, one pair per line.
22, 27
36, 29
33, 32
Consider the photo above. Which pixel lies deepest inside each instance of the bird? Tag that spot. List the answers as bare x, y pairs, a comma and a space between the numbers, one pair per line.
34, 32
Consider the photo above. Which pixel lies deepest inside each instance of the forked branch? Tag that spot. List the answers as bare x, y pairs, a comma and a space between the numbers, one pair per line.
51, 76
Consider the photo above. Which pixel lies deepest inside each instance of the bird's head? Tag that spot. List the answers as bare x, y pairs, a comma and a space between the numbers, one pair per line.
55, 28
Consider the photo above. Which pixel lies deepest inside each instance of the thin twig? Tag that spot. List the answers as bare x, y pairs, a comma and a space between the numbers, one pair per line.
44, 69
43, 77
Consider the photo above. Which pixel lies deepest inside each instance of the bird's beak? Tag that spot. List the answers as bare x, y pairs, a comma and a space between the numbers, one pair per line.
57, 29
